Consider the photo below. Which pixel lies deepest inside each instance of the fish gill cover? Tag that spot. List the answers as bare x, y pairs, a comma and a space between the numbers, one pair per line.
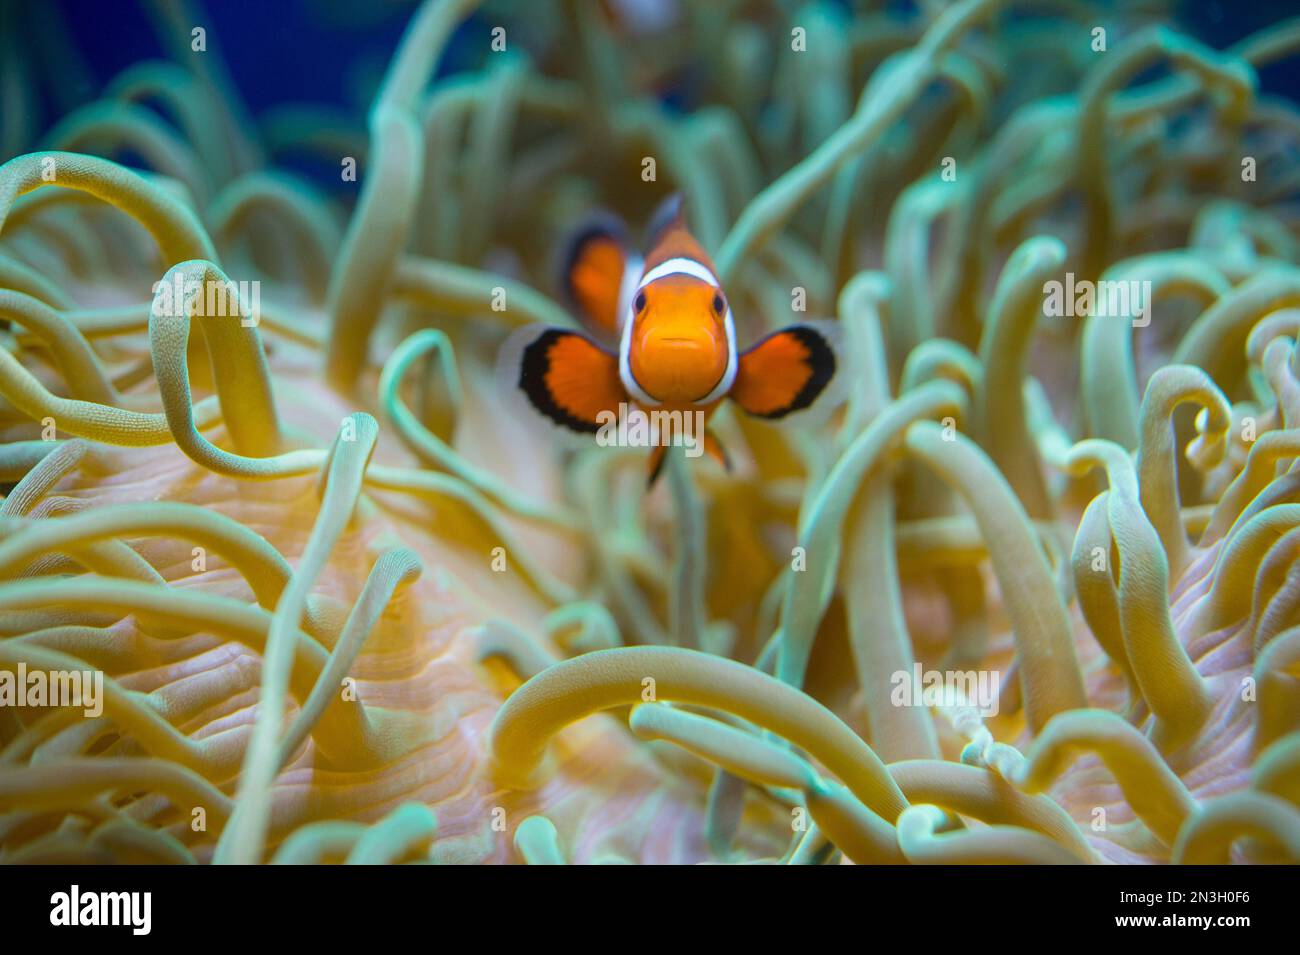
288, 575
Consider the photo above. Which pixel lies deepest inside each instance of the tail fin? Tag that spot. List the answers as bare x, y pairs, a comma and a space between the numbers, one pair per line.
592, 268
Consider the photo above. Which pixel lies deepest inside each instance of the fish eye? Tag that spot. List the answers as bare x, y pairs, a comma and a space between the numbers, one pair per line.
639, 304
719, 304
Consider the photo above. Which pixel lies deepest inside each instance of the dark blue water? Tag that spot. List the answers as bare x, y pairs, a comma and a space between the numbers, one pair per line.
335, 53
278, 51
283, 51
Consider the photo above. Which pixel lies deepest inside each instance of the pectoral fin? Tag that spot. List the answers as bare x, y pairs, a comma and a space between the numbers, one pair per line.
655, 465
784, 372
570, 379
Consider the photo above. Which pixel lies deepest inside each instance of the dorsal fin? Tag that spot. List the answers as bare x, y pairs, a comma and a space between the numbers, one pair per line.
670, 214
668, 236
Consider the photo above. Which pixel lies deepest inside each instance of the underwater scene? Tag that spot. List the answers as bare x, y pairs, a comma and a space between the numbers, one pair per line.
805, 432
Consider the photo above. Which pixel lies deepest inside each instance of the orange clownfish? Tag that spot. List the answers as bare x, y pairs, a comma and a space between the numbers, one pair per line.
675, 334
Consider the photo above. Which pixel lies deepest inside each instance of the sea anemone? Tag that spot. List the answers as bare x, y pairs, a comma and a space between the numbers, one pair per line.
347, 605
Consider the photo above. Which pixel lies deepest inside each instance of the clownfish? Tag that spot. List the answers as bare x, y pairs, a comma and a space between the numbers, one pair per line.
675, 334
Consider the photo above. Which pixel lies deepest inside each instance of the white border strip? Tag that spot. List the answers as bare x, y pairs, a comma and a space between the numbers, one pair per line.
678, 266
628, 288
